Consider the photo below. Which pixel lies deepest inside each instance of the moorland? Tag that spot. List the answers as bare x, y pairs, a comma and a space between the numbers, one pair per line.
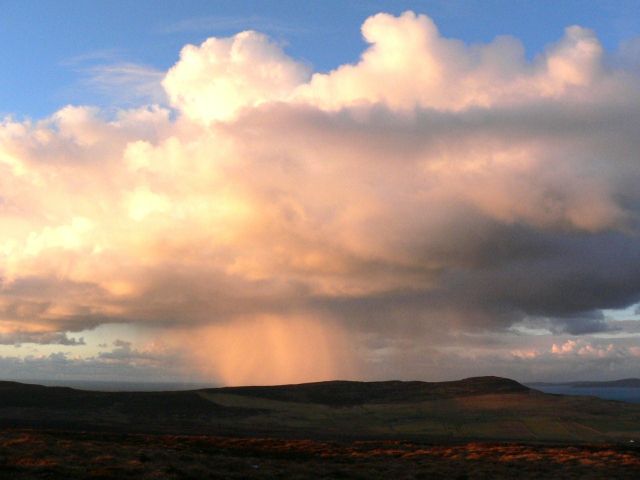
483, 427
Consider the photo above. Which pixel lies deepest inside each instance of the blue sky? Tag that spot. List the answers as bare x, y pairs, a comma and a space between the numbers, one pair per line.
49, 47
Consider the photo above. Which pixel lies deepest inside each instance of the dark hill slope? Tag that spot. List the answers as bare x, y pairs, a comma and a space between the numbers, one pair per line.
488, 408
14, 394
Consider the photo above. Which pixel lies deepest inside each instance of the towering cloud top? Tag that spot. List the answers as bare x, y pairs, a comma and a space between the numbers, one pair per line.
408, 65
223, 75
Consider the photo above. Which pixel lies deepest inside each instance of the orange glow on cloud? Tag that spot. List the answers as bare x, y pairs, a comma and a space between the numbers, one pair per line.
428, 180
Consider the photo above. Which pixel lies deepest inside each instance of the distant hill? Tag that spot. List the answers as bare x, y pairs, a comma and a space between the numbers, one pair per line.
489, 408
345, 393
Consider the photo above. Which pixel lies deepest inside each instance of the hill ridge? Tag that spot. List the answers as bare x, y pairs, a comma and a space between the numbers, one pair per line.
348, 393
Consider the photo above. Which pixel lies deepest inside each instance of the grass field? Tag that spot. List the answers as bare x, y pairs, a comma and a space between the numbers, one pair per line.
518, 416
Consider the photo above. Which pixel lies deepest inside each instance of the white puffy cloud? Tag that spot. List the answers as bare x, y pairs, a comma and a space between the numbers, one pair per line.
409, 65
215, 80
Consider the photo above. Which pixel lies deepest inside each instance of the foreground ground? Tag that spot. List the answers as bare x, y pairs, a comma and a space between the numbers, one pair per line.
484, 427
29, 454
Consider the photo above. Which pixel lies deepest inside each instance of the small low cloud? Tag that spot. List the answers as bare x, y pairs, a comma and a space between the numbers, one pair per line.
60, 366
41, 338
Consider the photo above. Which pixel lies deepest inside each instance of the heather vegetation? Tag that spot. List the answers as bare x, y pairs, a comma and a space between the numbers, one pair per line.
82, 455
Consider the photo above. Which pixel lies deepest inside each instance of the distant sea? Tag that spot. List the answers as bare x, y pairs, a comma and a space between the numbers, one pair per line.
631, 395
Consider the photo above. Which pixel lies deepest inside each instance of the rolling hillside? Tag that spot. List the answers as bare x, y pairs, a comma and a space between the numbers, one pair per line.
482, 408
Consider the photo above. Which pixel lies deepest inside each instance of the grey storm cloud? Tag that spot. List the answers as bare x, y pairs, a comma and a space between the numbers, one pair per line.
428, 191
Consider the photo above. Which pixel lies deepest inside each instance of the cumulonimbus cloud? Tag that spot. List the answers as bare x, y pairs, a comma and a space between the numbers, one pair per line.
430, 185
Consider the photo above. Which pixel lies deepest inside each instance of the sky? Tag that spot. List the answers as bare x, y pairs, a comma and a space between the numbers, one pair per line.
273, 192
